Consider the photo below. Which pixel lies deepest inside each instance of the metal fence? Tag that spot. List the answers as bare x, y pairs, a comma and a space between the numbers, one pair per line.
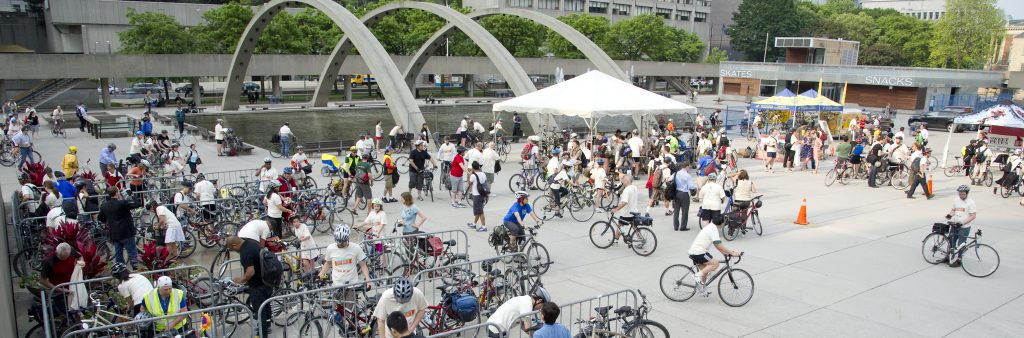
409, 252
493, 279
290, 258
471, 331
580, 310
314, 313
205, 322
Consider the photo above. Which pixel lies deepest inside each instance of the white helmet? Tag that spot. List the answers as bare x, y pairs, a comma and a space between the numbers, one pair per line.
342, 233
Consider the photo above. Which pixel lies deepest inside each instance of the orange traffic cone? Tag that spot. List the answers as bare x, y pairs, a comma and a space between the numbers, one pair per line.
930, 191
801, 218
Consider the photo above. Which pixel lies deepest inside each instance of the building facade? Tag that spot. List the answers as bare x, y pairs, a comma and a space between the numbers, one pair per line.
921, 9
691, 15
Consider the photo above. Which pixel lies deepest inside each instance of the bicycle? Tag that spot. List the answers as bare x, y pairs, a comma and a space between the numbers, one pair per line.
528, 179
58, 129
1005, 190
840, 172
428, 183
354, 321
638, 237
681, 282
441, 318
738, 225
98, 316
579, 201
423, 260
537, 255
957, 168
632, 322
12, 155
976, 259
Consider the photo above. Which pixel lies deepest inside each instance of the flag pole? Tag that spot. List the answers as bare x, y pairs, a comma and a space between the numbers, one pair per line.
765, 57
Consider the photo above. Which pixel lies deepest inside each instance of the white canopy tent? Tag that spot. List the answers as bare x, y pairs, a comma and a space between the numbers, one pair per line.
592, 96
1006, 115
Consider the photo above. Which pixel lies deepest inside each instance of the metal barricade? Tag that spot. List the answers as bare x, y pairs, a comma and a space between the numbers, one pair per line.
218, 318
193, 279
580, 310
292, 260
411, 251
226, 177
471, 331
313, 313
493, 280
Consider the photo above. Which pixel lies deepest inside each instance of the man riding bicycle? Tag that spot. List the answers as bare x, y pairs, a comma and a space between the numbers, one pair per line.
699, 254
628, 201
514, 219
963, 213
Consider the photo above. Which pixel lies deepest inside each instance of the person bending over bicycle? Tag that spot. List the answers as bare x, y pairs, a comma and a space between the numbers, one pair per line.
699, 253
963, 213
131, 286
514, 219
506, 314
404, 298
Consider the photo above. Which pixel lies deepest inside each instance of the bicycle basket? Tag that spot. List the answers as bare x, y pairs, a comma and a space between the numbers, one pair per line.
940, 228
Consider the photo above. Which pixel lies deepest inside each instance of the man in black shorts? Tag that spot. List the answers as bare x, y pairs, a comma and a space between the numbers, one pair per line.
514, 219
417, 165
700, 256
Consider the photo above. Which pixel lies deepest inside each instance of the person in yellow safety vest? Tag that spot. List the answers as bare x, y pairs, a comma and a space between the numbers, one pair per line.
348, 169
70, 162
167, 301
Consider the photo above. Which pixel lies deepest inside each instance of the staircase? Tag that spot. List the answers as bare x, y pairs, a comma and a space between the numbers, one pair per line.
46, 91
683, 87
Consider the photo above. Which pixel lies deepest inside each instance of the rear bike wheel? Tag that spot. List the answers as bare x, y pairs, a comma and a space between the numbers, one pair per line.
932, 163
545, 207
736, 287
1005, 192
281, 310
644, 242
951, 171
314, 327
402, 162
602, 234
325, 171
730, 231
755, 222
648, 329
339, 215
582, 209
845, 176
988, 178
678, 283
935, 248
188, 247
537, 257
377, 171
308, 183
517, 183
900, 180
275, 153
979, 260
830, 177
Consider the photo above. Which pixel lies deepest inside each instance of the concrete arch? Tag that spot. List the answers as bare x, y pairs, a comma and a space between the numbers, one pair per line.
510, 69
400, 100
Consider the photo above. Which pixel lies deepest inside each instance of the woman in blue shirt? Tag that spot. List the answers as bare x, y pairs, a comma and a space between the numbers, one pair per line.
409, 214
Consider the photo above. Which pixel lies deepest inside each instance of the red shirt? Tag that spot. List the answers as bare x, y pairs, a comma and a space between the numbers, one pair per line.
457, 164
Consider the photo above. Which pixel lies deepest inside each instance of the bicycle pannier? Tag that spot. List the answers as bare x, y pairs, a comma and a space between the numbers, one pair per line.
641, 220
464, 306
940, 228
431, 246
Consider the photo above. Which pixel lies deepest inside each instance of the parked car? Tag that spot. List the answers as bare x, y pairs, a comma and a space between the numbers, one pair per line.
960, 109
142, 88
941, 120
249, 85
187, 88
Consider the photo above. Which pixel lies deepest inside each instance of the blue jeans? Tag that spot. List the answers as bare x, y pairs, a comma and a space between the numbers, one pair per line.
959, 235
285, 143
26, 153
126, 244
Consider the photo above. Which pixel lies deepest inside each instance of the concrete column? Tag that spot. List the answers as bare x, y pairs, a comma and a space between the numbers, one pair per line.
468, 81
104, 86
275, 83
346, 83
651, 80
3, 90
197, 91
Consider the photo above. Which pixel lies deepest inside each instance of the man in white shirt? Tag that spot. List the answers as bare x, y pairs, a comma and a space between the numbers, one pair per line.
266, 173
404, 298
344, 259
712, 198
476, 154
506, 314
286, 139
257, 230
963, 213
207, 192
138, 143
636, 145
700, 256
219, 133
490, 158
365, 145
628, 201
393, 135
554, 163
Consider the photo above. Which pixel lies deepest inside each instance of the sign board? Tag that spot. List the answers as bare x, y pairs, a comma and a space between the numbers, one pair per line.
1004, 142
740, 73
897, 81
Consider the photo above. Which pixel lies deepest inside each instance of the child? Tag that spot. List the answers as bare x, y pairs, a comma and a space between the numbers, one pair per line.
306, 243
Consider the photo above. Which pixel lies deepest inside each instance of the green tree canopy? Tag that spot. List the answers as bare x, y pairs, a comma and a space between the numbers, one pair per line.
154, 33
283, 36
755, 18
319, 29
647, 37
963, 36
223, 28
716, 56
593, 27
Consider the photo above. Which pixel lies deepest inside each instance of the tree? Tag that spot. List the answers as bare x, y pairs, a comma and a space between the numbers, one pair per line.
910, 35
593, 27
754, 18
405, 31
682, 46
154, 33
963, 36
283, 36
716, 56
522, 37
833, 7
223, 28
320, 31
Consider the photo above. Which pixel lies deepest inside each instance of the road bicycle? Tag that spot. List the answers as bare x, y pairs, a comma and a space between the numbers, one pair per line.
736, 224
632, 322
638, 236
977, 259
537, 255
579, 201
58, 129
958, 167
428, 183
681, 282
337, 318
12, 155
528, 179
440, 317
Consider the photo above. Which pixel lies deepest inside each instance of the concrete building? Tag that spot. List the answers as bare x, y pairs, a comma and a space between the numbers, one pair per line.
692, 15
721, 18
819, 51
921, 9
1009, 54
91, 26
13, 6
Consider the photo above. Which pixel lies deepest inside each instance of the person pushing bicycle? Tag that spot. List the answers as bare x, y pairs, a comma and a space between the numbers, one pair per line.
699, 250
963, 213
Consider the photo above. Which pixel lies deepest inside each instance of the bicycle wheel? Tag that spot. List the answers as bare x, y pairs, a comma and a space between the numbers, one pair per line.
830, 177
517, 183
755, 222
729, 231
979, 260
377, 171
1004, 191
581, 208
308, 183
404, 270
186, 248
644, 241
935, 248
275, 153
544, 205
281, 310
223, 256
678, 283
339, 215
900, 180
314, 327
988, 178
38, 331
325, 171
602, 234
845, 176
538, 258
402, 163
951, 170
932, 163
226, 321
7, 159
736, 287
203, 292
648, 329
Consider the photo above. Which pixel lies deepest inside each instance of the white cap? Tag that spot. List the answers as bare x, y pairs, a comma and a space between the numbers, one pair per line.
163, 281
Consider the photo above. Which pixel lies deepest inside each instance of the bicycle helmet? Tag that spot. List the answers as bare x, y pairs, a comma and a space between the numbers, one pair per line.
140, 318
712, 176
963, 188
352, 148
72, 149
267, 160
522, 194
273, 184
539, 292
111, 146
118, 269
341, 233
138, 133
287, 170
299, 147
200, 177
556, 151
377, 201
403, 290
144, 163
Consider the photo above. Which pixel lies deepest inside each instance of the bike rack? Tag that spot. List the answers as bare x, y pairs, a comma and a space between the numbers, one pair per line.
430, 279
188, 272
195, 322
579, 310
475, 330
379, 286
461, 243
233, 268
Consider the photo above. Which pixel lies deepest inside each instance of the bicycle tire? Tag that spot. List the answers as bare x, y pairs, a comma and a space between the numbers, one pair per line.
951, 171
37, 331
977, 260
729, 232
203, 292
308, 183
845, 176
23, 261
455, 275
275, 153
644, 238
988, 178
538, 257
325, 171
314, 327
7, 159
1004, 191
281, 309
900, 180
188, 247
735, 278
205, 239
830, 177
643, 329
377, 171
543, 206
755, 222
932, 163
581, 209
677, 283
339, 215
219, 259
605, 234
402, 163
517, 183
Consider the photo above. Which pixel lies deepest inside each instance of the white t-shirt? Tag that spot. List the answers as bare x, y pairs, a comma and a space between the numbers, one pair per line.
285, 131
477, 127
711, 195
266, 175
206, 191
169, 218
394, 131
55, 217
136, 146
553, 164
378, 131
377, 220
274, 206
705, 238
299, 159
257, 230
924, 133
507, 313
637, 145
344, 263
31, 202
474, 155
446, 152
600, 177
137, 287
629, 195
52, 201
962, 209
771, 144
560, 177
475, 177
218, 132
490, 157
179, 199
388, 304
303, 231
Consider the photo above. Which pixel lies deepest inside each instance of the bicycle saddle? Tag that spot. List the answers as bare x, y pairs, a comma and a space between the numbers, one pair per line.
449, 242
624, 310
462, 256
603, 310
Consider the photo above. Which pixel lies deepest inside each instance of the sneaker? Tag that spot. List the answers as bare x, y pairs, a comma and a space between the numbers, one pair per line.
471, 225
481, 228
600, 211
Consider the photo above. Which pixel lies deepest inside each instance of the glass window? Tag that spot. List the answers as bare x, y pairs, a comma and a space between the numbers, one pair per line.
700, 17
640, 10
547, 4
683, 15
664, 13
621, 9
598, 7
704, 3
520, 3
687, 2
575, 5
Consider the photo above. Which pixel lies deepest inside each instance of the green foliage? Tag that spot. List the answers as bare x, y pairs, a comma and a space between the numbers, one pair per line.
905, 36
154, 33
754, 18
716, 56
223, 28
963, 36
647, 37
405, 31
283, 36
593, 27
521, 37
319, 30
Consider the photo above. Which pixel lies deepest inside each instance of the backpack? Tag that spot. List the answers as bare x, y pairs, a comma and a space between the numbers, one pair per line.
482, 188
362, 175
526, 152
670, 187
42, 209
270, 268
498, 236
463, 306
980, 156
709, 168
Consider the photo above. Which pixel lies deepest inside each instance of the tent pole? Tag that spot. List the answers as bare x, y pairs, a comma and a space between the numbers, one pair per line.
945, 150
